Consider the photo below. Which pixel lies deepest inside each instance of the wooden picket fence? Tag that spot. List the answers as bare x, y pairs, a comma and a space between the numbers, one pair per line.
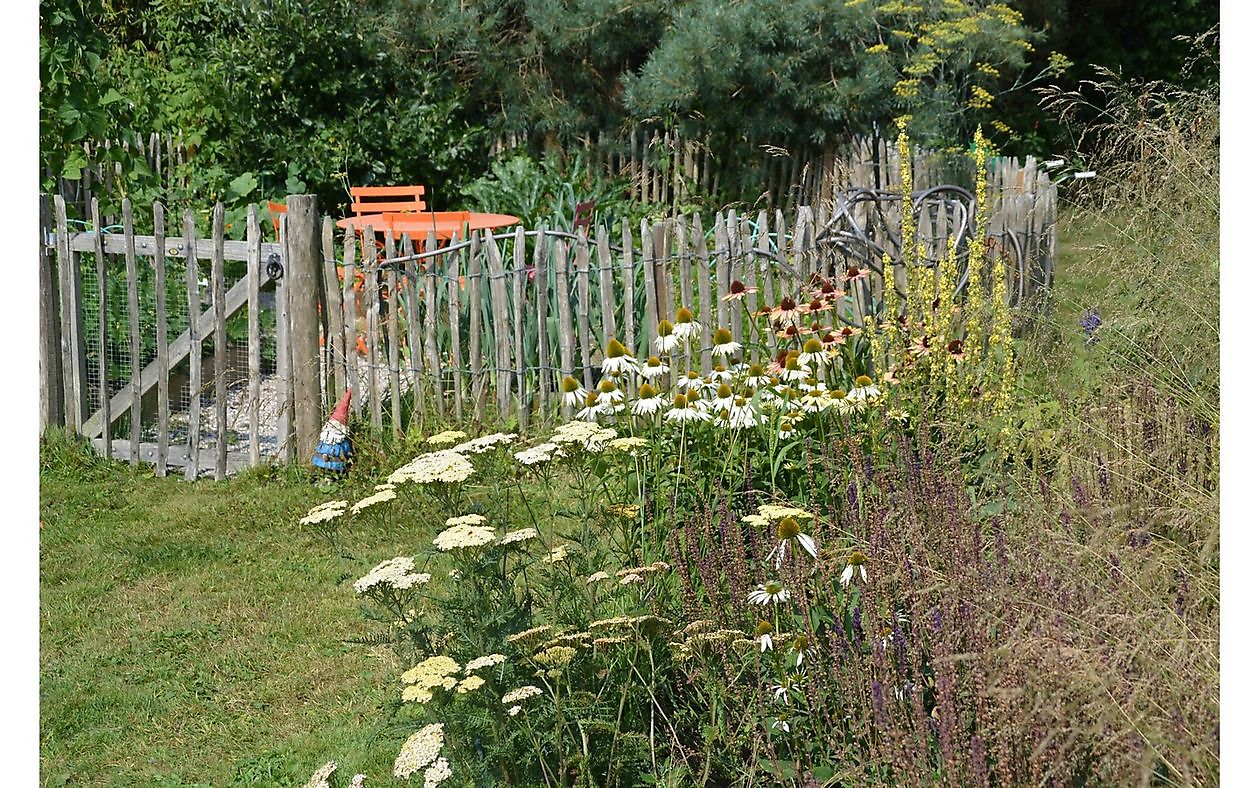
428, 333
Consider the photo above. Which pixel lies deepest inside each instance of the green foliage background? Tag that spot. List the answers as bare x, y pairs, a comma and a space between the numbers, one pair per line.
276, 96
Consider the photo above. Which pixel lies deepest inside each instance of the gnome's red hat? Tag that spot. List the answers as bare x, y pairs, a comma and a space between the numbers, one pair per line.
342, 412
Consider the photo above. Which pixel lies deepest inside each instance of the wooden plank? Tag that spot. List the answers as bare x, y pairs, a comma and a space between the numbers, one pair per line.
582, 271
608, 320
686, 296
518, 325
191, 276
349, 321
649, 287
372, 305
735, 268
722, 261
220, 346
284, 359
303, 270
391, 328
434, 360
761, 261
502, 348
476, 287
73, 358
452, 311
161, 375
102, 312
334, 320
630, 321
415, 347
704, 277
52, 404
133, 313
782, 277
660, 270
253, 279
145, 246
564, 314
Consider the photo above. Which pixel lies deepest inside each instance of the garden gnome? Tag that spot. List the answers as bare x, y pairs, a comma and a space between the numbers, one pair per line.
334, 450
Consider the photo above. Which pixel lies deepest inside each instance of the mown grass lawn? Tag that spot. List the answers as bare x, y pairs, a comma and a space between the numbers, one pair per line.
192, 634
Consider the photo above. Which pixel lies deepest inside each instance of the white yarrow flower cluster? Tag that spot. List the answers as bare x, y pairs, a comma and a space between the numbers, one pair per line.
420, 750
325, 512
446, 438
394, 573
537, 455
521, 694
446, 466
484, 443
520, 535
380, 496
464, 535
582, 434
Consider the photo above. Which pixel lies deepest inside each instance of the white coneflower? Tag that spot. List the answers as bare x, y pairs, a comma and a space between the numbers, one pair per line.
789, 530
610, 397
864, 389
666, 338
723, 398
593, 408
815, 399
766, 593
684, 411
743, 416
815, 356
755, 376
724, 344
650, 401
691, 382
571, 392
787, 428
617, 359
765, 635
792, 369
854, 568
685, 327
721, 374
801, 648
653, 368
781, 724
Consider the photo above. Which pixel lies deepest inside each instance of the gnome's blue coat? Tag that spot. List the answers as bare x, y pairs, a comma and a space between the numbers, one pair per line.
334, 451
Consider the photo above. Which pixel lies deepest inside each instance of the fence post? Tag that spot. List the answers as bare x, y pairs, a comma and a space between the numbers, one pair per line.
303, 270
52, 410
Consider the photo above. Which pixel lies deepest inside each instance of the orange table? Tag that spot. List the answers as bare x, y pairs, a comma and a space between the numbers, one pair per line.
444, 224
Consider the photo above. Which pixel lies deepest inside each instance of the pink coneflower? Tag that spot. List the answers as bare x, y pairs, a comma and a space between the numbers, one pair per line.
786, 311
738, 291
921, 346
789, 332
826, 291
955, 349
854, 273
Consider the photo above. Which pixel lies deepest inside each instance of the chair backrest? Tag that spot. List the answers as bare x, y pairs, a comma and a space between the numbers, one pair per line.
277, 209
583, 212
386, 199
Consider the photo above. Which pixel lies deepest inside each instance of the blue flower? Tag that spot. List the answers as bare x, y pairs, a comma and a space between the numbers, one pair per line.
1091, 323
